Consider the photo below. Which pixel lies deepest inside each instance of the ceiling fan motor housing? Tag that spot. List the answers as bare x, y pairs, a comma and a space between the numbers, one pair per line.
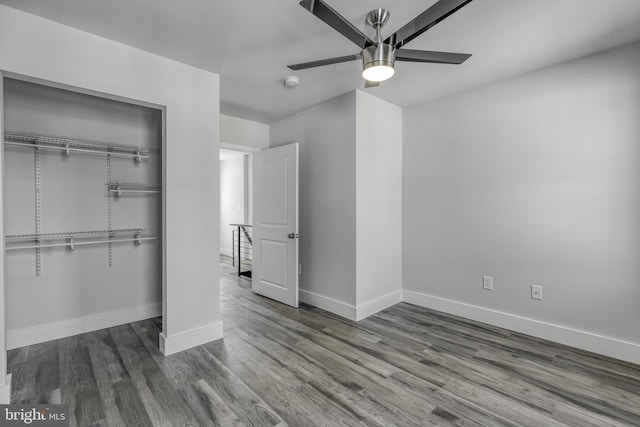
378, 55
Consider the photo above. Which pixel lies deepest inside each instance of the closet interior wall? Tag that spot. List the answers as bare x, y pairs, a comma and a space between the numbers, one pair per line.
75, 285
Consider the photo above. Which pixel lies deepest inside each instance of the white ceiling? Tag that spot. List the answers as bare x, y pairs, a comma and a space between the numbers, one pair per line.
250, 42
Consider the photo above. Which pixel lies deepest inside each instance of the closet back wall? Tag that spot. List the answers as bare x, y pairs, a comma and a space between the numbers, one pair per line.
76, 285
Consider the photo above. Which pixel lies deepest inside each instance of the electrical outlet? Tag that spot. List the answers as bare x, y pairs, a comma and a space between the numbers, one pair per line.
487, 283
536, 292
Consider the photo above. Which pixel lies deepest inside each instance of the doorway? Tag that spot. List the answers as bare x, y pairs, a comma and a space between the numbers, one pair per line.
268, 252
235, 209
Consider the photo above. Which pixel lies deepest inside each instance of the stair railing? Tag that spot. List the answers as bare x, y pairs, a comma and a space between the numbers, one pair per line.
242, 244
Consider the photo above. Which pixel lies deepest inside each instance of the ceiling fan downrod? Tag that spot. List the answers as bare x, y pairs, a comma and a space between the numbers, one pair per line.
377, 18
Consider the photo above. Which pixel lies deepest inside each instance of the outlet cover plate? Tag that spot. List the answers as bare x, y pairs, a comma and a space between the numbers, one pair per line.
487, 283
536, 292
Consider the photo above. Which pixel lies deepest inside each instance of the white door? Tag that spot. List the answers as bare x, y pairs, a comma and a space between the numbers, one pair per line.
275, 224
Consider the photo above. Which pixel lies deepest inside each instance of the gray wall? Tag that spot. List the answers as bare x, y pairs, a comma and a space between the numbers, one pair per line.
327, 202
74, 198
533, 180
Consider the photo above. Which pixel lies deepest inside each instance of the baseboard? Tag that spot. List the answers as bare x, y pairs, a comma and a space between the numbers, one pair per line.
185, 340
378, 304
618, 349
227, 252
66, 328
5, 391
329, 304
349, 311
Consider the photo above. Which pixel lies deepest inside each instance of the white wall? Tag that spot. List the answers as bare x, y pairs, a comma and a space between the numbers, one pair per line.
534, 180
326, 134
350, 202
378, 200
74, 198
247, 133
190, 99
232, 199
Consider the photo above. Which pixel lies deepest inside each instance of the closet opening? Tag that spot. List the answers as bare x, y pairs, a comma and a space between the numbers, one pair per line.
82, 212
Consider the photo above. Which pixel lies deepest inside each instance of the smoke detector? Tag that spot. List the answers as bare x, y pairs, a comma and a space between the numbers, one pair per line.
291, 81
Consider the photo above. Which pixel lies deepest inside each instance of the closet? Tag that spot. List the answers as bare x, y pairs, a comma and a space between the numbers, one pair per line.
82, 212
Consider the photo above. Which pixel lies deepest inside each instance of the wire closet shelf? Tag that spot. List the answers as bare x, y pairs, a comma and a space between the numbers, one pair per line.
108, 236
68, 145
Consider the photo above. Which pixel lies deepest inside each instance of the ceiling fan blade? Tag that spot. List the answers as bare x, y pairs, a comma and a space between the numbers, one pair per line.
368, 84
410, 55
427, 19
337, 22
322, 62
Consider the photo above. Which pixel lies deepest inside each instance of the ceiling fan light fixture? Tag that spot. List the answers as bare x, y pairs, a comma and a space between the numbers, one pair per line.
378, 62
378, 73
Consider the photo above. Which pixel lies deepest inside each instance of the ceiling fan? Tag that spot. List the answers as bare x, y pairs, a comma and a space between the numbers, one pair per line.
379, 56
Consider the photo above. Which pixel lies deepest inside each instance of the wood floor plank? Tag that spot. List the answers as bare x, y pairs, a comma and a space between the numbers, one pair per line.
350, 374
129, 406
299, 405
163, 403
574, 415
373, 364
581, 390
179, 373
304, 369
243, 401
447, 366
105, 352
267, 365
104, 375
466, 412
48, 371
17, 355
78, 385
500, 405
210, 408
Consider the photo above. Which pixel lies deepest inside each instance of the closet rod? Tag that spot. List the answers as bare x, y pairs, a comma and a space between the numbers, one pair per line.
51, 245
80, 150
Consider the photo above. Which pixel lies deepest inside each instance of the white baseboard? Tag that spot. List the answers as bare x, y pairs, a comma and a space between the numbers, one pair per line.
329, 304
227, 252
349, 311
606, 346
5, 391
185, 340
66, 328
378, 304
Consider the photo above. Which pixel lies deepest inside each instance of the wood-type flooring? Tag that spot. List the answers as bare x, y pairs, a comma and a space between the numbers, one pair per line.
278, 366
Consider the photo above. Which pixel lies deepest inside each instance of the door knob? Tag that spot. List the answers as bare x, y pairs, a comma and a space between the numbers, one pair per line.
293, 235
